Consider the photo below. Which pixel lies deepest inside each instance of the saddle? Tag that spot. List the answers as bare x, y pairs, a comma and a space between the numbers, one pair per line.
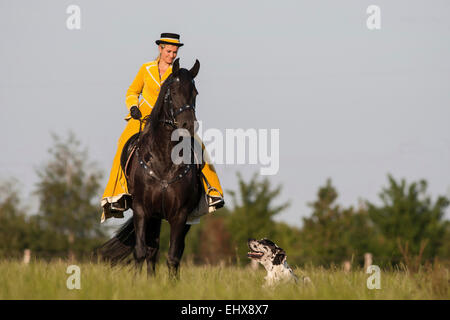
130, 147
127, 152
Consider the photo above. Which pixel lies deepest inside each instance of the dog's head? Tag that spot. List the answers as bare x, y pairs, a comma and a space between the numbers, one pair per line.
265, 251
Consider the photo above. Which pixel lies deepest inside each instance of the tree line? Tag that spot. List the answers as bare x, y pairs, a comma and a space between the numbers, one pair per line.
407, 227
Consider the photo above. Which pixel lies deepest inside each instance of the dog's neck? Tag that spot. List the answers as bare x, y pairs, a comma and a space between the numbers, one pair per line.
279, 273
277, 268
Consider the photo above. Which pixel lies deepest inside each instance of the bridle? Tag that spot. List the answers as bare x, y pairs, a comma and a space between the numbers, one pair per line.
175, 112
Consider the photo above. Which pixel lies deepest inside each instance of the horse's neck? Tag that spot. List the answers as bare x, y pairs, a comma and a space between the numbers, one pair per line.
157, 138
159, 145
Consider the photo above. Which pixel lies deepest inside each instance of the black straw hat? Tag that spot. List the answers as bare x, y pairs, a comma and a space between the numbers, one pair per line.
170, 38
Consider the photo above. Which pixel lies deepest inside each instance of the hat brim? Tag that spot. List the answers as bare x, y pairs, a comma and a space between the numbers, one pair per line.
158, 42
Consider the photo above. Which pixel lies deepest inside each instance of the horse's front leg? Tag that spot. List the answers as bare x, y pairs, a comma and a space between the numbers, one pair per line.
140, 250
152, 234
178, 231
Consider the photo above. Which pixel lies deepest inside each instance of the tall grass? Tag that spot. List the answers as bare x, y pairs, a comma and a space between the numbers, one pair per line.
43, 280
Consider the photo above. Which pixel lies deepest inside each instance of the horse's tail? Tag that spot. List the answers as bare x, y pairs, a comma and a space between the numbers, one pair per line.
118, 248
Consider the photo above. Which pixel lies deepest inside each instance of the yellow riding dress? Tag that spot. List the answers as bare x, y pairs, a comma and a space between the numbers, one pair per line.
143, 92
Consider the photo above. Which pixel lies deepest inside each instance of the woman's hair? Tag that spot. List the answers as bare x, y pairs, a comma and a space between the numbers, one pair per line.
162, 45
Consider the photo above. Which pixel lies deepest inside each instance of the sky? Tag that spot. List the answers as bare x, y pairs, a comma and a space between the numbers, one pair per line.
350, 103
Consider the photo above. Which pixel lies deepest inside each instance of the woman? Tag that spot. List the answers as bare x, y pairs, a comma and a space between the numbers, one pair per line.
147, 84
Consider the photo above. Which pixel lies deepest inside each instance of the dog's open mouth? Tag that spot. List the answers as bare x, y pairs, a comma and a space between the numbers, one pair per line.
255, 254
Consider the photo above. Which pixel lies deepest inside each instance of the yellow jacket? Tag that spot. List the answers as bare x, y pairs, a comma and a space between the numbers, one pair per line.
147, 85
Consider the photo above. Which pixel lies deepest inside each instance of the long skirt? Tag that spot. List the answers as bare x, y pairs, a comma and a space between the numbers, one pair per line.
117, 188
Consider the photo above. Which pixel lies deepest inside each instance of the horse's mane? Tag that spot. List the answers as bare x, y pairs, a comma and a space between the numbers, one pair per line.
153, 120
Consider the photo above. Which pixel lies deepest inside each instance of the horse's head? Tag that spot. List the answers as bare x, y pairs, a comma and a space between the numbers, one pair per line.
180, 97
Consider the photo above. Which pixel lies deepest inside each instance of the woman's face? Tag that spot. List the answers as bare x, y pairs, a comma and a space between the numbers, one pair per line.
168, 53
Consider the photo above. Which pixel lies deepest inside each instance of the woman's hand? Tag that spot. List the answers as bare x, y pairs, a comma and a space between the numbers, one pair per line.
135, 113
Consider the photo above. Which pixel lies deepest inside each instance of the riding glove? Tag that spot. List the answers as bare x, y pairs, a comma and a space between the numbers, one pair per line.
135, 113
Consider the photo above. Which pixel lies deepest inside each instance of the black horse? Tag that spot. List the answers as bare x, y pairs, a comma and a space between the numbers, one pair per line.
160, 188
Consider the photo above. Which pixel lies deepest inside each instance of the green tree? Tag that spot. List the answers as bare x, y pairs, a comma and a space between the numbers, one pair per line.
288, 238
14, 226
409, 218
444, 250
252, 213
215, 241
333, 234
68, 190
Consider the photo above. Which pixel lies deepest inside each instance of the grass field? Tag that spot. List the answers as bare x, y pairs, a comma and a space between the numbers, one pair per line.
41, 280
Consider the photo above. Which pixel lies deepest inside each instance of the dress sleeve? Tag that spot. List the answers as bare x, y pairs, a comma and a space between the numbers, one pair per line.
135, 89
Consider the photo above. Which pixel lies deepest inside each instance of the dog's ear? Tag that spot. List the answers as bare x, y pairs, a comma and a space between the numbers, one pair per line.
280, 257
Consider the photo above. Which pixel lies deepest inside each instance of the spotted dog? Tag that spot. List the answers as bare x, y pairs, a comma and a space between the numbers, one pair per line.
273, 258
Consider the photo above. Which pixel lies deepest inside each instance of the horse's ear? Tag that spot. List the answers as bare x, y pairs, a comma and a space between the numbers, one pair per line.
195, 68
176, 66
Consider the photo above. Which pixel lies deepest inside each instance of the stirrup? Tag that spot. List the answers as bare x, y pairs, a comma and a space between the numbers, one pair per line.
115, 207
215, 201
121, 205
110, 211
